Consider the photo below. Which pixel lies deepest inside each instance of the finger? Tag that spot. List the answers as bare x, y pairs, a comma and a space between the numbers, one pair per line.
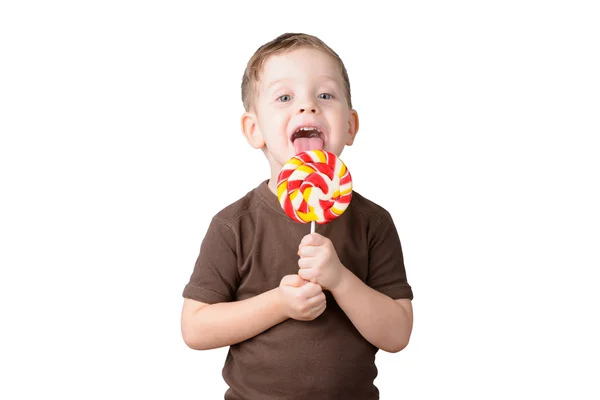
308, 251
305, 273
293, 280
312, 239
306, 262
316, 300
305, 240
318, 310
311, 290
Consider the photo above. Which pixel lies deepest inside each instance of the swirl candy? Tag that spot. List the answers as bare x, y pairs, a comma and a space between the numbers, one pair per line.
314, 185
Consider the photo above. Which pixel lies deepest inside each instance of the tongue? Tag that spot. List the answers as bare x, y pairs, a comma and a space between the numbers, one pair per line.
304, 144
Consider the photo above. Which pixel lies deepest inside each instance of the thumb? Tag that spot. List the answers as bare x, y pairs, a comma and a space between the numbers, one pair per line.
293, 280
312, 239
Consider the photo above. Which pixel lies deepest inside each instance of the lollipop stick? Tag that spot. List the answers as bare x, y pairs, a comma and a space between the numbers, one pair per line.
312, 226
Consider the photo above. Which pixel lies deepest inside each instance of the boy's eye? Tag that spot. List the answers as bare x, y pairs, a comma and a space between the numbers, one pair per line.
284, 98
325, 96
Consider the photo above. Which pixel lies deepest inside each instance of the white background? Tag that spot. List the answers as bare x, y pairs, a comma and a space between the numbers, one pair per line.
120, 139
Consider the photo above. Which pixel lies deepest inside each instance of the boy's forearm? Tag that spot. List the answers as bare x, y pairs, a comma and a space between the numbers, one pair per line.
225, 324
380, 319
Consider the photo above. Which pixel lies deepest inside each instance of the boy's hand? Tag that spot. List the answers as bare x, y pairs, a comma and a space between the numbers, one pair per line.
303, 300
319, 262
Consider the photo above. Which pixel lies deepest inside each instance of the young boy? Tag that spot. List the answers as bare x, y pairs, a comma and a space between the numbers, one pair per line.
303, 314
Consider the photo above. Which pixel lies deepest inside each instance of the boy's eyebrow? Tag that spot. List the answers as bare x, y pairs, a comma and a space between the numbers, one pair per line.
327, 77
330, 78
275, 83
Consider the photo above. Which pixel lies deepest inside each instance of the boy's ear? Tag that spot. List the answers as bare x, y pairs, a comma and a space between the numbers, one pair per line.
352, 127
251, 131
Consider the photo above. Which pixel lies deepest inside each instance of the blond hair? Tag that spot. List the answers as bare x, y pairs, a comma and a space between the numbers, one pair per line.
281, 44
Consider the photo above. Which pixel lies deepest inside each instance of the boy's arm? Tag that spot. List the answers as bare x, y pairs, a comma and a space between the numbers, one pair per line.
386, 323
219, 321
208, 326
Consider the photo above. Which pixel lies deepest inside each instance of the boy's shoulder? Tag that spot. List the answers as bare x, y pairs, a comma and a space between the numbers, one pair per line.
368, 208
245, 205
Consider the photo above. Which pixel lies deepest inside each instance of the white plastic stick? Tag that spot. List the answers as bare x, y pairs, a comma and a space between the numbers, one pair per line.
312, 226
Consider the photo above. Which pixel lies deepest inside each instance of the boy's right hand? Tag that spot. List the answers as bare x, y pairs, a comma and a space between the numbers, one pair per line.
303, 300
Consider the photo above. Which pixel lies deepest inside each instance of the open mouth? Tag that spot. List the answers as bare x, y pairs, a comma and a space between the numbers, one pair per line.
307, 138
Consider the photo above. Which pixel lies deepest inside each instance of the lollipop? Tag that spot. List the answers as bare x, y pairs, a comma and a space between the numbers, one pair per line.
314, 186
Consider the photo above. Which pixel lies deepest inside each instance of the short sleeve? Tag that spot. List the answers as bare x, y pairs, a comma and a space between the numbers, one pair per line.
215, 276
386, 262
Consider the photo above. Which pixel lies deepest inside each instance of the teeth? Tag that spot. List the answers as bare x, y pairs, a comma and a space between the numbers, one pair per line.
315, 132
306, 128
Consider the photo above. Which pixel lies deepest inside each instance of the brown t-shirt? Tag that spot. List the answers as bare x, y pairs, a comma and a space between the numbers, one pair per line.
250, 245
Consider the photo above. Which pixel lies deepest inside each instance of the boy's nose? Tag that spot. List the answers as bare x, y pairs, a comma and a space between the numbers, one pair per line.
307, 105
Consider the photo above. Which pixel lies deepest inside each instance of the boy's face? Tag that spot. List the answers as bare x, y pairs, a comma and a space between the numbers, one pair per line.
302, 88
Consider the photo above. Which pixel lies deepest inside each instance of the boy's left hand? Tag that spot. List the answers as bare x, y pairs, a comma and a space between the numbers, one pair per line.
319, 262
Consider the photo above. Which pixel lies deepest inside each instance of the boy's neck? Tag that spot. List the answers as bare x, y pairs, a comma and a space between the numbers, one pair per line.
273, 185
275, 168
